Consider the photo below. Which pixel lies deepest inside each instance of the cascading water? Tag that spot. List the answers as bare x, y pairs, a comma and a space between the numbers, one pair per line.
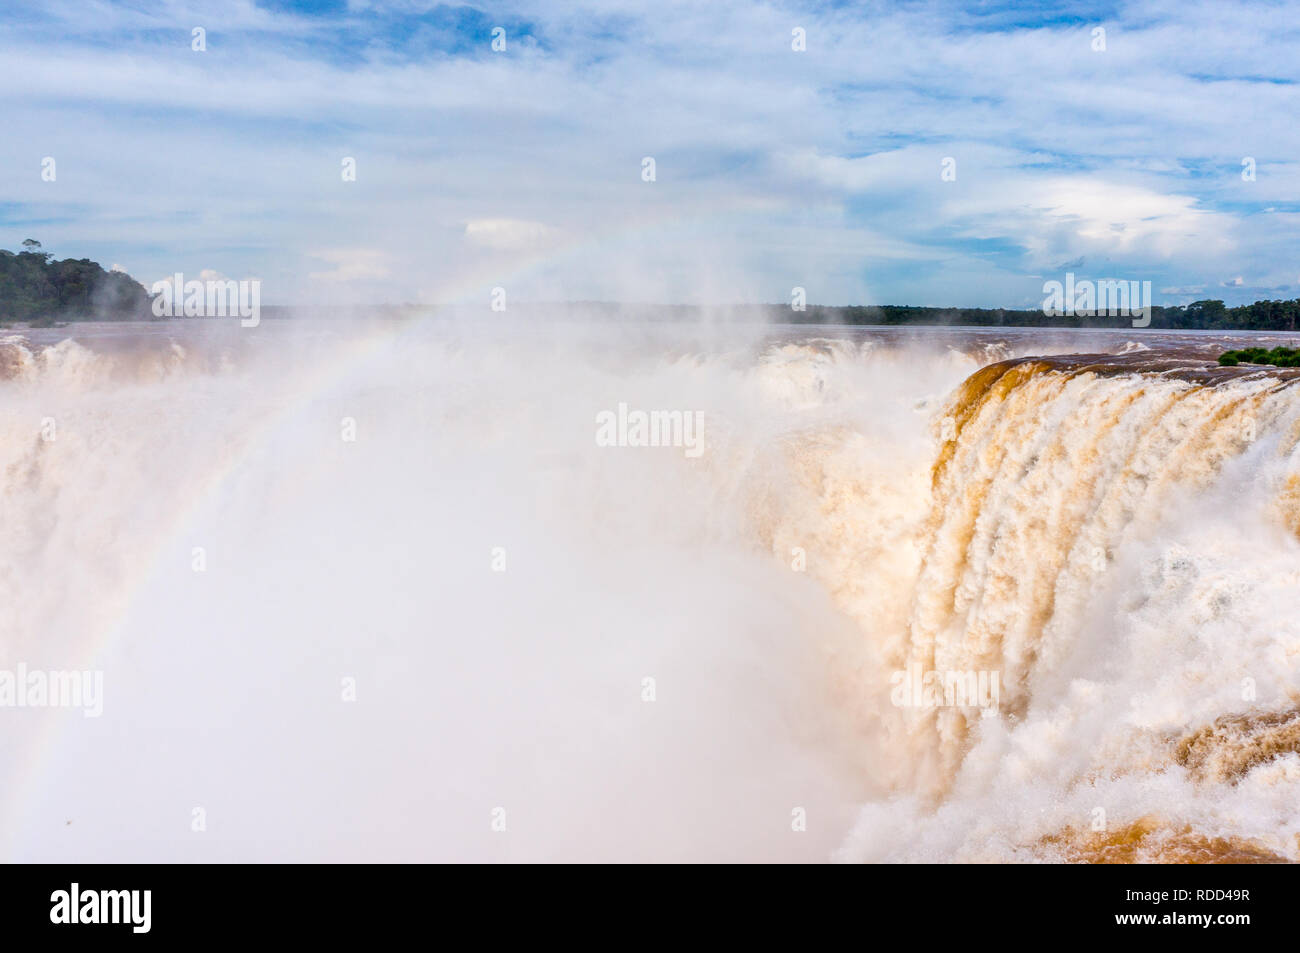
562, 650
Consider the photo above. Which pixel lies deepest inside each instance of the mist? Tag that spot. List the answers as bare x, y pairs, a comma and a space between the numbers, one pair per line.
374, 590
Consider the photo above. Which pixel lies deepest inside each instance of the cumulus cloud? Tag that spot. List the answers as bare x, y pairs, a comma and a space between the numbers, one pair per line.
508, 234
351, 264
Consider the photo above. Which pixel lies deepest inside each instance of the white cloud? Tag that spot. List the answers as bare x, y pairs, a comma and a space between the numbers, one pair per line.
508, 234
351, 264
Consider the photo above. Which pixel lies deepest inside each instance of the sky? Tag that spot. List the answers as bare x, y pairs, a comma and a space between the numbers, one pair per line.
927, 153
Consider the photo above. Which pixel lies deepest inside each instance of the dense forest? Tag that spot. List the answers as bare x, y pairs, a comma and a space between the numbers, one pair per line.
1199, 315
35, 288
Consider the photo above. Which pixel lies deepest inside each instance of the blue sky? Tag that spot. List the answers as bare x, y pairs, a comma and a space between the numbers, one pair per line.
775, 168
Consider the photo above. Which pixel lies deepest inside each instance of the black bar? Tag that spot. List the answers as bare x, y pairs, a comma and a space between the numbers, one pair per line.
949, 904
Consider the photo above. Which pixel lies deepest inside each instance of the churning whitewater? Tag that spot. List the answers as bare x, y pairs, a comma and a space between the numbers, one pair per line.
381, 591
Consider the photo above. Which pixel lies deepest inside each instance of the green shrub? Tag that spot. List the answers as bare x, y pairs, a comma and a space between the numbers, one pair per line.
1278, 357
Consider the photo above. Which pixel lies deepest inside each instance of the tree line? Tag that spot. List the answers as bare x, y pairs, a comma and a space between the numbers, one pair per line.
1199, 315
38, 289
